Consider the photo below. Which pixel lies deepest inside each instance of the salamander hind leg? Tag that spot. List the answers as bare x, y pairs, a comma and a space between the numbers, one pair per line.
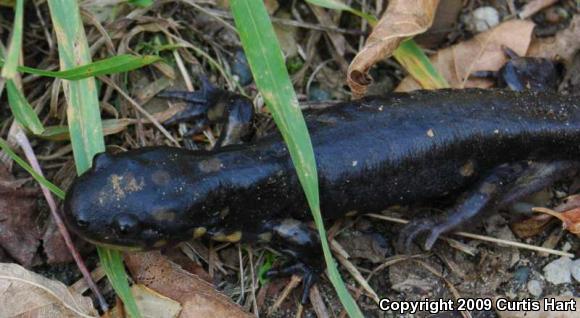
302, 245
504, 185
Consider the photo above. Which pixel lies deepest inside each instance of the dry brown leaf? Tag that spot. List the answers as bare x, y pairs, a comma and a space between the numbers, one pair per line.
19, 222
570, 219
563, 45
26, 293
531, 226
482, 53
197, 297
154, 305
543, 313
402, 20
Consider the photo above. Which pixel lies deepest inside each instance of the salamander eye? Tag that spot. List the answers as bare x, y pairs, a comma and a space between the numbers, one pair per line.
126, 224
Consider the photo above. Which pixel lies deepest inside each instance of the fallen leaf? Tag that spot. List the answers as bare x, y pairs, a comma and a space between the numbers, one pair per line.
402, 20
197, 297
154, 305
366, 245
570, 219
531, 226
482, 53
25, 293
563, 45
19, 232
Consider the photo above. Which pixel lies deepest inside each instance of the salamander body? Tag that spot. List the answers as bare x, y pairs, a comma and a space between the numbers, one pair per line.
370, 154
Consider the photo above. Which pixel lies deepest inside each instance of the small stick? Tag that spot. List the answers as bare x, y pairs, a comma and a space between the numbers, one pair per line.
483, 238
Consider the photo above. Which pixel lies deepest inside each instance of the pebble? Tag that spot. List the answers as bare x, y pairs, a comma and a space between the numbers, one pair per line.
535, 288
559, 271
576, 270
317, 94
482, 19
521, 275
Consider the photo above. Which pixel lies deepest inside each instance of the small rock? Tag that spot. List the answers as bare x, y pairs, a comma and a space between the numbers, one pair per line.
521, 208
576, 270
558, 271
318, 94
567, 247
535, 288
482, 19
521, 275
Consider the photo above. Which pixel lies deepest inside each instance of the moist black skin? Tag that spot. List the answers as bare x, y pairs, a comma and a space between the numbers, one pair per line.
370, 154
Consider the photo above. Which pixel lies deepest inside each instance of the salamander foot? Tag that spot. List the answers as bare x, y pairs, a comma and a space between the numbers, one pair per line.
309, 275
423, 231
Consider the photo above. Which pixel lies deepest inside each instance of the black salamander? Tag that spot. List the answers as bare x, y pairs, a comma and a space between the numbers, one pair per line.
370, 154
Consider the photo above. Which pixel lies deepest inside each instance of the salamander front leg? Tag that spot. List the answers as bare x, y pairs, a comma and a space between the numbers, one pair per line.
212, 105
504, 185
302, 244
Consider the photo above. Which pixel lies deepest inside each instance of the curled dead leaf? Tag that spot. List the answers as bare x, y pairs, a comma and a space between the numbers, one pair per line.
402, 20
482, 53
25, 293
570, 219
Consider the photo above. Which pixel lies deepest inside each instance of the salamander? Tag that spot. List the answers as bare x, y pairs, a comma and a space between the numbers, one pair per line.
370, 153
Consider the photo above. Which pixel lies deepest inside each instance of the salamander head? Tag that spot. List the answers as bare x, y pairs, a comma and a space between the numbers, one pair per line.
137, 200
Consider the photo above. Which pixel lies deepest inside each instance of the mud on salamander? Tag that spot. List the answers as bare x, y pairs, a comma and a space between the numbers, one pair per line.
370, 154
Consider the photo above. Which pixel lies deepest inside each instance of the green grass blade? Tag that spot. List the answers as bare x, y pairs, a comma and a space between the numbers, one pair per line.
83, 112
22, 163
22, 110
115, 64
267, 63
84, 121
414, 60
15, 43
112, 262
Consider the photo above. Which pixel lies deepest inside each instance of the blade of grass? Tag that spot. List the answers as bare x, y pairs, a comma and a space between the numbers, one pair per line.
414, 60
408, 54
271, 76
115, 64
9, 72
85, 121
22, 110
22, 163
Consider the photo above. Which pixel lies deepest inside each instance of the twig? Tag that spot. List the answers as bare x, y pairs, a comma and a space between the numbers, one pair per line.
139, 108
23, 142
483, 238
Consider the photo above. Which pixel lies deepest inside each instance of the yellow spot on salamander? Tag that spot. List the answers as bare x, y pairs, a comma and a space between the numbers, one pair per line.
265, 237
199, 232
232, 238
160, 177
467, 169
164, 215
122, 185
